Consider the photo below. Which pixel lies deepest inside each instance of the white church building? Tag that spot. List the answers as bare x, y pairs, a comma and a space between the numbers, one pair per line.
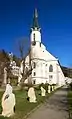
46, 67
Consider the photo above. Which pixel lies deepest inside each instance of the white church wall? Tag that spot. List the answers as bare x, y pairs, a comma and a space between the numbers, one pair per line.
52, 78
61, 77
37, 80
40, 71
41, 74
54, 72
35, 51
37, 36
43, 47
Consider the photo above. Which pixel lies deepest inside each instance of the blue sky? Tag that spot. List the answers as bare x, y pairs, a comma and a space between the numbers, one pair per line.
55, 19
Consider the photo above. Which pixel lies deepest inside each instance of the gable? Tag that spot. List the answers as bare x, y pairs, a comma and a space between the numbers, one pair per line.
42, 53
49, 56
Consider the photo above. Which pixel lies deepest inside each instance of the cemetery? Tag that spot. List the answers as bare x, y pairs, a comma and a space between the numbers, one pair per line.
21, 105
19, 98
28, 85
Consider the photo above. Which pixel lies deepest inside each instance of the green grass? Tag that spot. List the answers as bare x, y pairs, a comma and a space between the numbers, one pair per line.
22, 105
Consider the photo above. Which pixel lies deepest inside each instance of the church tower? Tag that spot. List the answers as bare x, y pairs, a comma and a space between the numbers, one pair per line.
35, 35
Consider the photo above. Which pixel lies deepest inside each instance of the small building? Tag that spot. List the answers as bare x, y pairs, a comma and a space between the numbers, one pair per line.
14, 67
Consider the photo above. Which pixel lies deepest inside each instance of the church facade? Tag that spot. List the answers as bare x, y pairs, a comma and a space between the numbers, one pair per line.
46, 68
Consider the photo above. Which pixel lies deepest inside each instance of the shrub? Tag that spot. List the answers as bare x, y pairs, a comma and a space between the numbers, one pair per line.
37, 87
45, 86
14, 81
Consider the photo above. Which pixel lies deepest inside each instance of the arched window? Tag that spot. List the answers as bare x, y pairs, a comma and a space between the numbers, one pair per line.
50, 68
34, 73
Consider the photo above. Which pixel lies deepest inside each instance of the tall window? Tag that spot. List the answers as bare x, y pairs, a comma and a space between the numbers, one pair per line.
34, 73
50, 68
34, 42
34, 81
34, 65
34, 36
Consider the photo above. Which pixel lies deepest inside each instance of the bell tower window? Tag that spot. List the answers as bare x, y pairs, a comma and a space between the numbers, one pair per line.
34, 42
34, 37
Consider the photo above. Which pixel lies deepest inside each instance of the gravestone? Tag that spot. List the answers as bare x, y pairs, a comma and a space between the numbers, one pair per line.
52, 88
43, 91
31, 95
8, 102
49, 90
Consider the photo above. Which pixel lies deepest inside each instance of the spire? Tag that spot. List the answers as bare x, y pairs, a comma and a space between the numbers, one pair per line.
36, 14
35, 20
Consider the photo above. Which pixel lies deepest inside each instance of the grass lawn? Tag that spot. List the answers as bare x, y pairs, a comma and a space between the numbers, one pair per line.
22, 105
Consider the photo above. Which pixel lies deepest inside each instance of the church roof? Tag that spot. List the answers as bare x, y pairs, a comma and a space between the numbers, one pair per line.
43, 54
35, 23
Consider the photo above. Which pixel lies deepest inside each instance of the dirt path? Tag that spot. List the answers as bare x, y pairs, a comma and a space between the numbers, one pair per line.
55, 107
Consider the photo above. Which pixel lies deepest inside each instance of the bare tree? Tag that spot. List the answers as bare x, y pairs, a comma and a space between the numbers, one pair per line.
23, 46
24, 51
4, 62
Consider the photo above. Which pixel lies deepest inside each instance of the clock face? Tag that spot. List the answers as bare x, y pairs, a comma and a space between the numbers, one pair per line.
33, 43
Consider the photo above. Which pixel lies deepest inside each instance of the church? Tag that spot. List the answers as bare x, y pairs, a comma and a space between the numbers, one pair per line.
46, 67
